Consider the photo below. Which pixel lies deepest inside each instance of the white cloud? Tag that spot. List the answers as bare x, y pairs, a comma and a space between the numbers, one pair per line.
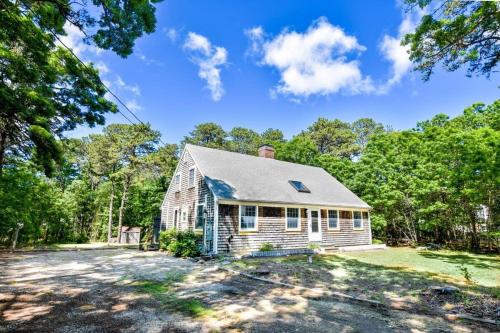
171, 33
256, 36
397, 54
209, 58
126, 87
314, 62
133, 105
74, 39
102, 67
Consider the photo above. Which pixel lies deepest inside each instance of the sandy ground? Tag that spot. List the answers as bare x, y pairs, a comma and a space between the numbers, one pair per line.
91, 291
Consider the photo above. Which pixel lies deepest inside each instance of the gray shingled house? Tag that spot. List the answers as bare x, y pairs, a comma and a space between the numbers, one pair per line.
240, 201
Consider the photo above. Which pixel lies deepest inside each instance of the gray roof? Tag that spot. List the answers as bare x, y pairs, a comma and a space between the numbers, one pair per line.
234, 176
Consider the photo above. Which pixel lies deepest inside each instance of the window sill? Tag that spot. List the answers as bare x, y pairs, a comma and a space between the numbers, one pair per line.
358, 229
248, 232
293, 230
333, 229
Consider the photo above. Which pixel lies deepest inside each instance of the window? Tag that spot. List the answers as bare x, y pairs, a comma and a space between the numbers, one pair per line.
184, 215
248, 218
333, 219
200, 217
292, 219
176, 217
177, 182
192, 177
299, 186
357, 220
272, 212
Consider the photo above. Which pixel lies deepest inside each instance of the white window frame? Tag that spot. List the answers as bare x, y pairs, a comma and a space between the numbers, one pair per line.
256, 227
178, 185
338, 219
196, 217
185, 210
362, 224
286, 220
189, 177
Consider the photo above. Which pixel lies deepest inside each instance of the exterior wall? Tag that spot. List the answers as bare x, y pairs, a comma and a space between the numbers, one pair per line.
187, 198
272, 229
346, 235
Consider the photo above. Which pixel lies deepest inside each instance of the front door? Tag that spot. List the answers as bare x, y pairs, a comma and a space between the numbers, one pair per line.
314, 225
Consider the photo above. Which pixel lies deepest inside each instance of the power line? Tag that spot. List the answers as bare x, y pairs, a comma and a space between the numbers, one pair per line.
99, 78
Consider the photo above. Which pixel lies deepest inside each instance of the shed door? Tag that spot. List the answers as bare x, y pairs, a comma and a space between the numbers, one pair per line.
314, 225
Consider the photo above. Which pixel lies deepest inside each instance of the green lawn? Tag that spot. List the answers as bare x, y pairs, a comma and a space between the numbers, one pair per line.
484, 269
394, 275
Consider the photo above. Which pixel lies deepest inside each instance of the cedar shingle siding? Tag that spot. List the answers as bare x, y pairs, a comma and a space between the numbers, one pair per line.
187, 198
271, 220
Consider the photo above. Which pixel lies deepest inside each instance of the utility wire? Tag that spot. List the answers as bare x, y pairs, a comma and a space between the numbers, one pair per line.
99, 78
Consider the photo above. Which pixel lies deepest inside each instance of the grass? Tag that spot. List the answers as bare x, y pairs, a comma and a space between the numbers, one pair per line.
484, 269
393, 275
164, 293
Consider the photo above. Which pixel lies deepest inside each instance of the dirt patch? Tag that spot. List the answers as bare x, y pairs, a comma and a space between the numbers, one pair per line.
133, 291
397, 286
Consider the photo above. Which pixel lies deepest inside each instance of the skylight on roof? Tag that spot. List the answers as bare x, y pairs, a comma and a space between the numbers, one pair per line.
299, 186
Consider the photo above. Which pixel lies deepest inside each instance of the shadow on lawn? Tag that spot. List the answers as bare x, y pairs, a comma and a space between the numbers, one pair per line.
88, 297
391, 285
485, 262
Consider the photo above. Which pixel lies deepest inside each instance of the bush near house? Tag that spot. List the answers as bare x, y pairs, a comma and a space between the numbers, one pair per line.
180, 243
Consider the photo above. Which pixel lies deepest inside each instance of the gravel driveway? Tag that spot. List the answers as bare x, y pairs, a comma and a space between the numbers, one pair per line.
92, 291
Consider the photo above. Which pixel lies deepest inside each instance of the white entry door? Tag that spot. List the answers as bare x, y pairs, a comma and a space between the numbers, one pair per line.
314, 218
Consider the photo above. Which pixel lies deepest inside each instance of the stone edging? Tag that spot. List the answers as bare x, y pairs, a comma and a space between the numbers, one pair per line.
369, 302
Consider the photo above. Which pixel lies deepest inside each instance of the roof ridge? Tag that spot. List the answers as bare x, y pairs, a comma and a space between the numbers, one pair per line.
257, 157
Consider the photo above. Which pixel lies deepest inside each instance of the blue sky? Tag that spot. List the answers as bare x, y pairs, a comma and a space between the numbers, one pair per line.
279, 64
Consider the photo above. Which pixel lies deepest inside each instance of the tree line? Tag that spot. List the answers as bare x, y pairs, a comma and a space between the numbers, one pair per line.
424, 184
427, 184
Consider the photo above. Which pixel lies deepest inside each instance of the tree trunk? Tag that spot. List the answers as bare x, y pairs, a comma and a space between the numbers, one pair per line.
110, 213
126, 184
3, 147
16, 236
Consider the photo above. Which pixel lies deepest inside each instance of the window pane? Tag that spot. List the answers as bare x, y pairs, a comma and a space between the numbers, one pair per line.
199, 217
314, 221
191, 177
333, 219
292, 221
299, 186
248, 216
357, 220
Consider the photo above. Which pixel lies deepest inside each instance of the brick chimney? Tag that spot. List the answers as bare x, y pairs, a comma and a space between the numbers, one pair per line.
266, 151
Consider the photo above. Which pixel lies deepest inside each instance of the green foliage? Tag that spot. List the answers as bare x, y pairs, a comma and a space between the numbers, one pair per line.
377, 241
208, 135
333, 137
167, 237
266, 247
456, 33
466, 273
35, 108
181, 243
301, 149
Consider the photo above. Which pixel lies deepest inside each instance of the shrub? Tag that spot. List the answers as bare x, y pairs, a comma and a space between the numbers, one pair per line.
377, 241
166, 237
266, 247
183, 243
